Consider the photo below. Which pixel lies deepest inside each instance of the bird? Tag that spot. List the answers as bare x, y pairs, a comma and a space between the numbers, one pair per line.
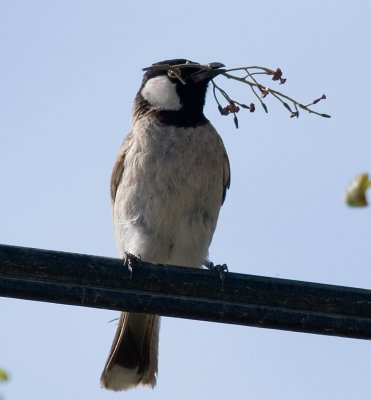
168, 184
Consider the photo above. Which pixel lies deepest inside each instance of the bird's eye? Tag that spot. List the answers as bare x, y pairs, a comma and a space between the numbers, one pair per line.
176, 73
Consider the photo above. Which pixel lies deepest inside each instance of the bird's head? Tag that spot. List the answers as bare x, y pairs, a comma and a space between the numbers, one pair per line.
175, 90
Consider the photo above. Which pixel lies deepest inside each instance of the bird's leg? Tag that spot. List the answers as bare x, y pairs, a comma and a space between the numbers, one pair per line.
221, 269
131, 261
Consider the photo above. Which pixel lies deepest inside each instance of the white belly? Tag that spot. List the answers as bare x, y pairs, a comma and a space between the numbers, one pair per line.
168, 201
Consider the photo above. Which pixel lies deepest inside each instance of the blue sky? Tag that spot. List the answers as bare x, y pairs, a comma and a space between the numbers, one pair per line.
68, 75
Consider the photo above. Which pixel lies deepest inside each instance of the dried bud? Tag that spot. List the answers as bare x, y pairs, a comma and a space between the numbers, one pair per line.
287, 106
282, 81
233, 108
264, 91
252, 107
235, 120
323, 97
277, 75
294, 114
223, 110
355, 193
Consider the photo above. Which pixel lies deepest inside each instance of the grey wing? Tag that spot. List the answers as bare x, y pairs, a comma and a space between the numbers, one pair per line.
118, 168
226, 175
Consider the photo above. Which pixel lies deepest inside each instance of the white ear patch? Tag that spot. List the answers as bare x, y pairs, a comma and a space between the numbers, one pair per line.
161, 93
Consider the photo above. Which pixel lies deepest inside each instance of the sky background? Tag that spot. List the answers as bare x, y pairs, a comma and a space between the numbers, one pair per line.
68, 73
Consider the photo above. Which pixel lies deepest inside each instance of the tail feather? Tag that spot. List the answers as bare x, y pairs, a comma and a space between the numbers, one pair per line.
133, 357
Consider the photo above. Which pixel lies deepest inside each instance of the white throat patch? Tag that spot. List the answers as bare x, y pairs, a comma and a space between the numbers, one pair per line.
161, 93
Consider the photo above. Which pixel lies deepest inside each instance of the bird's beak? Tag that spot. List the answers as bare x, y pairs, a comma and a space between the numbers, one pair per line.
208, 72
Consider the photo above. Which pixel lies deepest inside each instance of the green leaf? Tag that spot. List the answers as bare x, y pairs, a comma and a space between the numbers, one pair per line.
4, 376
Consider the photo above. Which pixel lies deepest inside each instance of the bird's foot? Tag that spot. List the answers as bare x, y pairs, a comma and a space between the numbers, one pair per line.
131, 261
221, 269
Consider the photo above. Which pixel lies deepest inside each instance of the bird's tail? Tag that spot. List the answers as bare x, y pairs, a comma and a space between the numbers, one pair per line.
133, 357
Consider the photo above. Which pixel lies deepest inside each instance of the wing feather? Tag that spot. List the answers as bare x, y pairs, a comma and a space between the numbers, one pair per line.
118, 167
226, 175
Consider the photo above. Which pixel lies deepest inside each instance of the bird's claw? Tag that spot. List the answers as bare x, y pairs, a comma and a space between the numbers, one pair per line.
131, 260
221, 269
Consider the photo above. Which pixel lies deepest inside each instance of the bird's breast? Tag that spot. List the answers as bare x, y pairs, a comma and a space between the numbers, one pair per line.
168, 201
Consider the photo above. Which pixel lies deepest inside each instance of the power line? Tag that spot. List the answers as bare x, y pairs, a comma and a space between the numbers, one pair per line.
102, 282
